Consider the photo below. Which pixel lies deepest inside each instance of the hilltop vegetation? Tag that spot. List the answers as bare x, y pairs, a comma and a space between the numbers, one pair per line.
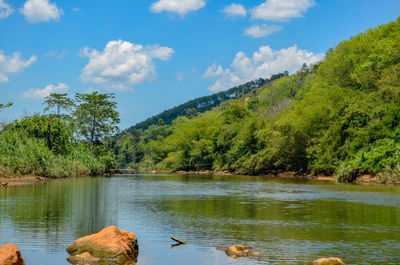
339, 117
202, 104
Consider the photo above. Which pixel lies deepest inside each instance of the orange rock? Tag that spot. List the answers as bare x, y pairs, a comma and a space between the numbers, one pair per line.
110, 244
10, 255
327, 261
154, 171
237, 251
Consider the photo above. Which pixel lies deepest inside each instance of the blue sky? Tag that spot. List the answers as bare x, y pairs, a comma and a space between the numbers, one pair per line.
156, 54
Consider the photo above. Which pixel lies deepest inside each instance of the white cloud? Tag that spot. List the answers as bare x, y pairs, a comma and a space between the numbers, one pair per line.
13, 64
76, 9
281, 10
180, 7
41, 11
122, 63
235, 10
258, 31
264, 63
5, 10
42, 93
213, 71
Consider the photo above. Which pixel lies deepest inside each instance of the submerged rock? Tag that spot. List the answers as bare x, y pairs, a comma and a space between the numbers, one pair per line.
10, 255
109, 246
238, 251
3, 183
84, 258
327, 261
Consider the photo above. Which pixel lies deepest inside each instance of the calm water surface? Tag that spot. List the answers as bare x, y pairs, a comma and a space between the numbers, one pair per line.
288, 221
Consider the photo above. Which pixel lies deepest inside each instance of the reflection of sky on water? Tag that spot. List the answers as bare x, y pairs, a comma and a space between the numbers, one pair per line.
287, 220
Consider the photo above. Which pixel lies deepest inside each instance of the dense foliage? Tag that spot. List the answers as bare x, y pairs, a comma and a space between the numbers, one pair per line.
50, 145
95, 116
340, 117
202, 104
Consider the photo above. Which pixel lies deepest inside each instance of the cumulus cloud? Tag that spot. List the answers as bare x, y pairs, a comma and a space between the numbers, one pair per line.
180, 7
13, 64
5, 10
264, 63
122, 64
235, 10
42, 93
41, 11
281, 10
258, 31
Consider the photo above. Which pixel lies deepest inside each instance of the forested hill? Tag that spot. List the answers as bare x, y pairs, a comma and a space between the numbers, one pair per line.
339, 117
202, 104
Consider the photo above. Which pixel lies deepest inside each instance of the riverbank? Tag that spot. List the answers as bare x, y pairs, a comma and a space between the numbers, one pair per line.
21, 180
362, 180
365, 179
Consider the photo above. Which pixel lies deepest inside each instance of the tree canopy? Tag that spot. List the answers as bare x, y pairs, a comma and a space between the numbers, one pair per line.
59, 102
202, 104
340, 117
9, 104
95, 116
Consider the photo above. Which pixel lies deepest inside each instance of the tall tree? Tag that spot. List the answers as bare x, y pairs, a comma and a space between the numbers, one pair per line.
95, 116
59, 102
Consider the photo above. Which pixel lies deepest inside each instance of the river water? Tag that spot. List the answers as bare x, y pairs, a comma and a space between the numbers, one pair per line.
288, 221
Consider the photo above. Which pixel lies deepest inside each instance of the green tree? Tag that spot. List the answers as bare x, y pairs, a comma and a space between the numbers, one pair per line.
59, 102
95, 116
191, 113
2, 106
54, 131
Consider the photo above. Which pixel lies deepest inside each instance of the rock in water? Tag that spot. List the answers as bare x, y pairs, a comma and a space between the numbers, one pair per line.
109, 246
10, 255
238, 251
327, 261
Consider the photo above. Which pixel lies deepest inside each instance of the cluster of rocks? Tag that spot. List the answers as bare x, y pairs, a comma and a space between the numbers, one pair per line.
239, 251
208, 172
112, 246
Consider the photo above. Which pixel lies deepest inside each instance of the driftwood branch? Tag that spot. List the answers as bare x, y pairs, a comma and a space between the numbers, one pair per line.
178, 240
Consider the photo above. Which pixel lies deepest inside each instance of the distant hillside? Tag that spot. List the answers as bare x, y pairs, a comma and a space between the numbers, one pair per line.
338, 117
202, 104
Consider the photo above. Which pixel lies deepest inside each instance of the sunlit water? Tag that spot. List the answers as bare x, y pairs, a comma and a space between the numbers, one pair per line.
288, 221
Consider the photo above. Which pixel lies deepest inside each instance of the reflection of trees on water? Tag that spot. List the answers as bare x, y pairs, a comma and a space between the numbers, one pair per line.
285, 221
57, 212
292, 222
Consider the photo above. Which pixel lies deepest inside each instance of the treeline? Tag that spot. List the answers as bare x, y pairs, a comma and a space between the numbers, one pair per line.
339, 117
65, 143
131, 146
201, 104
